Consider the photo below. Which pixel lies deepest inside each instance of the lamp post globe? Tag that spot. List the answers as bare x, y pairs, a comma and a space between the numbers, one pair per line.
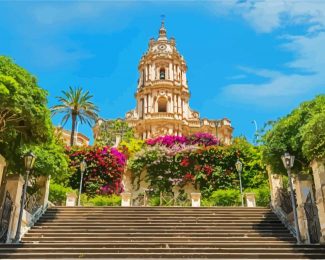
83, 167
239, 168
29, 160
288, 162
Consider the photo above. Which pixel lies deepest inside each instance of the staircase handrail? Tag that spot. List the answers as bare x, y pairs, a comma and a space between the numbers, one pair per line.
283, 217
37, 214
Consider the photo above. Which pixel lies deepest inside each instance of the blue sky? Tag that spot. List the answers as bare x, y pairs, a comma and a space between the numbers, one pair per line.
247, 60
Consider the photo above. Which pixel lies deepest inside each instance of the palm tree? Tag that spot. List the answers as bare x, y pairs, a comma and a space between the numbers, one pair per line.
76, 104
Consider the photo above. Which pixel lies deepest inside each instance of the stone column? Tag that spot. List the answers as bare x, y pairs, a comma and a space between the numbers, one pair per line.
127, 181
250, 199
304, 185
149, 103
44, 184
175, 104
145, 105
318, 167
196, 199
126, 199
15, 187
276, 182
171, 73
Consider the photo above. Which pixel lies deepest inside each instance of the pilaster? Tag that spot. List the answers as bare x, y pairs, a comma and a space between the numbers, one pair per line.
304, 185
318, 167
2, 167
276, 183
15, 187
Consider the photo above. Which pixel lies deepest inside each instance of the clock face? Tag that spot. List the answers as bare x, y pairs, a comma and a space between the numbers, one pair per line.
162, 46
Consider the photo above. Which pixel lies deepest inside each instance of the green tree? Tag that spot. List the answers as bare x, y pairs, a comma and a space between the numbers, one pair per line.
110, 129
25, 122
23, 107
75, 104
301, 133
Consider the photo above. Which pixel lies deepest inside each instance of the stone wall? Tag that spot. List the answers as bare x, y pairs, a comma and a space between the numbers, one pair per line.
138, 186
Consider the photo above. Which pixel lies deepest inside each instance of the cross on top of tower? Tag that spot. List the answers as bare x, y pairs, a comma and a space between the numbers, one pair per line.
162, 30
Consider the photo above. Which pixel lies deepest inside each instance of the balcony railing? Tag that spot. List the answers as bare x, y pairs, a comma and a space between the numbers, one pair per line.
163, 115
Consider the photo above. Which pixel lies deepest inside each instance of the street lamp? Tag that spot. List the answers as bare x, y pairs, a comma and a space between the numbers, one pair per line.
29, 160
288, 161
83, 166
239, 168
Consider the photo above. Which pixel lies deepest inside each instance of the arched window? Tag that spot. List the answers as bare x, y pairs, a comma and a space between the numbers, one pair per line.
162, 104
162, 73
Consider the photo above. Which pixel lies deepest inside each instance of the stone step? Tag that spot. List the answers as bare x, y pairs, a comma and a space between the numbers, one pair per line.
160, 232
163, 225
129, 235
195, 212
155, 231
158, 208
189, 255
159, 238
155, 222
157, 250
131, 217
146, 244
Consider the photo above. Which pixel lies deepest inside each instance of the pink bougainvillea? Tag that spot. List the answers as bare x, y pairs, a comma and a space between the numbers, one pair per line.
202, 139
105, 166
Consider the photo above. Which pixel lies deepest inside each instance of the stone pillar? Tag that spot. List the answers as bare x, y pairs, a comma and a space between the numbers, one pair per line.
43, 182
304, 185
126, 199
250, 199
196, 199
71, 200
127, 181
14, 186
276, 182
318, 167
2, 167
170, 70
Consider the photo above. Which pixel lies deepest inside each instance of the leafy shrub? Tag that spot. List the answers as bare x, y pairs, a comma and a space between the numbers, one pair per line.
228, 197
58, 193
101, 200
154, 201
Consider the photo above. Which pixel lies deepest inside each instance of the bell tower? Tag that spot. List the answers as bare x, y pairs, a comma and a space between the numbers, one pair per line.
162, 95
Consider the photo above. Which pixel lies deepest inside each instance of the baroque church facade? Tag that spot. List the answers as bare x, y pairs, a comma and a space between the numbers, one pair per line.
162, 96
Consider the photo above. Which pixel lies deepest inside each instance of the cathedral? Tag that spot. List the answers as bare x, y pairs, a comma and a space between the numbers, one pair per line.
162, 96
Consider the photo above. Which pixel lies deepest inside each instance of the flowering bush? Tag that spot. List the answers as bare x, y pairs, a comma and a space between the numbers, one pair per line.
104, 168
204, 139
209, 167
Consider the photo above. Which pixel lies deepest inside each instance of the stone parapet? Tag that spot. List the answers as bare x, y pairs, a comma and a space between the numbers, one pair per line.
304, 186
15, 187
318, 167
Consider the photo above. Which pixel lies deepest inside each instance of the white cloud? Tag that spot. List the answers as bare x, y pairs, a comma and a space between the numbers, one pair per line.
309, 63
47, 24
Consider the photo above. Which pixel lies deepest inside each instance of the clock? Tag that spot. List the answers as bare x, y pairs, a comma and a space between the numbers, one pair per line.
162, 46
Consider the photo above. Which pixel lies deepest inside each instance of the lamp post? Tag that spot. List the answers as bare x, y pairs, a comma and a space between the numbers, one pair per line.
83, 166
288, 161
29, 160
239, 168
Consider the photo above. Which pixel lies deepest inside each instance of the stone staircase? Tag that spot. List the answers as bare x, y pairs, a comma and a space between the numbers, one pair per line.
159, 232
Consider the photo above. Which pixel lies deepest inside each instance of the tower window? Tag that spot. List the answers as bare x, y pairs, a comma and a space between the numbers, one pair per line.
162, 73
162, 104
